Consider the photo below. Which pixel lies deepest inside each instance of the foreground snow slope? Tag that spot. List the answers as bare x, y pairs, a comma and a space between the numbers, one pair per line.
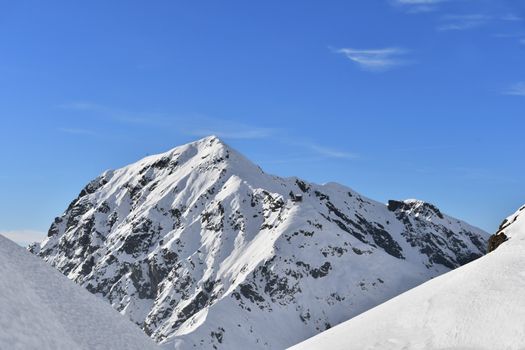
204, 250
41, 309
478, 306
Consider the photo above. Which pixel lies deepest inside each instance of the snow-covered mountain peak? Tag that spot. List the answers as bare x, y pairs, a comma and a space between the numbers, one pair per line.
178, 240
201, 151
415, 206
511, 229
208, 156
514, 225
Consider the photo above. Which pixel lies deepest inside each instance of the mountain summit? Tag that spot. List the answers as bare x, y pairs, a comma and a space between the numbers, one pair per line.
203, 249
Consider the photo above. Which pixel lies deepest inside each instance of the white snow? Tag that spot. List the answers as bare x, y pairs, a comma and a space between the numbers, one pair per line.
478, 306
41, 309
204, 250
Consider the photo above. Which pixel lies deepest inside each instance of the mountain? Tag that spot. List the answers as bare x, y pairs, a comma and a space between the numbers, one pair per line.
203, 249
477, 306
42, 309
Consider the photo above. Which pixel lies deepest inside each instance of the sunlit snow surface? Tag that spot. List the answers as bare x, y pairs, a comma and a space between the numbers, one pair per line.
41, 309
478, 306
203, 250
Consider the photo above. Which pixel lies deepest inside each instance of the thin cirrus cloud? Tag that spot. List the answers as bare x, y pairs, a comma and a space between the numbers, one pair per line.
76, 131
331, 153
376, 60
515, 36
193, 125
517, 89
456, 22
463, 22
81, 106
114, 114
419, 2
418, 6
202, 125
318, 151
244, 132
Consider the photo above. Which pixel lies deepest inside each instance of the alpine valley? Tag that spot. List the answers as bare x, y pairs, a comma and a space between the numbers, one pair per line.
203, 250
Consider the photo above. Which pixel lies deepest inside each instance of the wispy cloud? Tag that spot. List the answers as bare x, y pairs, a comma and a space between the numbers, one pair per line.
76, 131
418, 6
331, 153
473, 20
516, 36
480, 175
420, 148
82, 106
377, 60
419, 2
24, 237
114, 114
193, 124
508, 35
202, 125
303, 150
242, 132
292, 159
463, 22
314, 149
517, 89
510, 17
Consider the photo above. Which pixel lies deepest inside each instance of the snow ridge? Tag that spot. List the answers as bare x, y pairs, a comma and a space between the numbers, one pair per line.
203, 249
41, 309
477, 306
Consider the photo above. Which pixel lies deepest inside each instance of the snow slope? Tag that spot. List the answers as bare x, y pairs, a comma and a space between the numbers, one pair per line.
203, 249
41, 309
478, 306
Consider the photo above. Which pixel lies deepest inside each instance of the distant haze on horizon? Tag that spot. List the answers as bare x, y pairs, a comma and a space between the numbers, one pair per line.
395, 99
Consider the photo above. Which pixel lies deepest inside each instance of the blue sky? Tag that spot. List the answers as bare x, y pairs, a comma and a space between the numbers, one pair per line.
393, 98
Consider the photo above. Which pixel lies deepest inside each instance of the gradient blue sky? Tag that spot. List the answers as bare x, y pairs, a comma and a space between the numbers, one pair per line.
394, 98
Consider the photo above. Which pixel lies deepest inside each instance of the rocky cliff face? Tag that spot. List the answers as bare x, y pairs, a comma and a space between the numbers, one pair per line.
202, 249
